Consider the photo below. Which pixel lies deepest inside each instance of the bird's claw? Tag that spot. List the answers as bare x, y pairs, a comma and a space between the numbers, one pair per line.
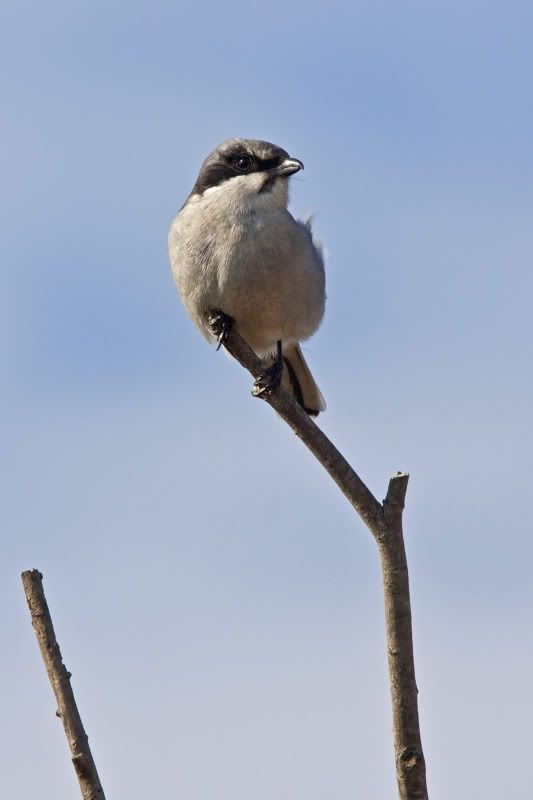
220, 324
269, 380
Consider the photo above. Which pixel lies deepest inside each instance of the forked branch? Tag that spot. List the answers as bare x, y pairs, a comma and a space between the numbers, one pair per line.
384, 521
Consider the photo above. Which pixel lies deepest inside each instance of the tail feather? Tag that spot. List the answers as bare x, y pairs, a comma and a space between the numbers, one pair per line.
297, 378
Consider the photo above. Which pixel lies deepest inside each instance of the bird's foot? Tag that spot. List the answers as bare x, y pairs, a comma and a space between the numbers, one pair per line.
270, 378
220, 324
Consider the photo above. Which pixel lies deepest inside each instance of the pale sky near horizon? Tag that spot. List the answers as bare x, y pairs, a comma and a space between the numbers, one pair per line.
214, 596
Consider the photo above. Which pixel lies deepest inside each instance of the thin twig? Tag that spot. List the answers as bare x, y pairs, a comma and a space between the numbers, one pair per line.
385, 523
67, 711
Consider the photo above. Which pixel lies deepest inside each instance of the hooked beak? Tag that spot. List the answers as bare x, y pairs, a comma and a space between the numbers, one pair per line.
287, 167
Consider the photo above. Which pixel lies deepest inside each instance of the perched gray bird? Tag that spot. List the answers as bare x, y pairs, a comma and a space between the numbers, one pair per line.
235, 247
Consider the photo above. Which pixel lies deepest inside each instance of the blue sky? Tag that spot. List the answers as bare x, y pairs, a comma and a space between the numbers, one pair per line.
215, 599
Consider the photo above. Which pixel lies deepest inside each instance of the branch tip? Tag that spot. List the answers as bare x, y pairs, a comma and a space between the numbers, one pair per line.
397, 490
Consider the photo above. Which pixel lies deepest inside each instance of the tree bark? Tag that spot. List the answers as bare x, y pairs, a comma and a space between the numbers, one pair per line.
410, 764
385, 523
67, 711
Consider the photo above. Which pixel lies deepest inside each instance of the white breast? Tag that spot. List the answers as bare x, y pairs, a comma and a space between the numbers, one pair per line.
238, 248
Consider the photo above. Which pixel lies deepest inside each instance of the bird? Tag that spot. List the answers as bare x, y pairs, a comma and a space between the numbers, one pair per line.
235, 248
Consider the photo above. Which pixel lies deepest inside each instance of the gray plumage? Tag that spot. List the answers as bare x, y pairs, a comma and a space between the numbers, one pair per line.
234, 246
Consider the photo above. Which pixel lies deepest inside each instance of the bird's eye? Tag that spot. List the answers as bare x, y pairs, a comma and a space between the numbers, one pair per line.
244, 162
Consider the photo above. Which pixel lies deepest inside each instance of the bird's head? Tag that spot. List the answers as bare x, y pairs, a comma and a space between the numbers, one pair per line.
247, 166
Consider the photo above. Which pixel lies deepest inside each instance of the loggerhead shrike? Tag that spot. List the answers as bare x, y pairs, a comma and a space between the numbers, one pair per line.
235, 248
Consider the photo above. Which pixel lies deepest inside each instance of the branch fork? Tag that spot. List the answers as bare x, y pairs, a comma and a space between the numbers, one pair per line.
384, 520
